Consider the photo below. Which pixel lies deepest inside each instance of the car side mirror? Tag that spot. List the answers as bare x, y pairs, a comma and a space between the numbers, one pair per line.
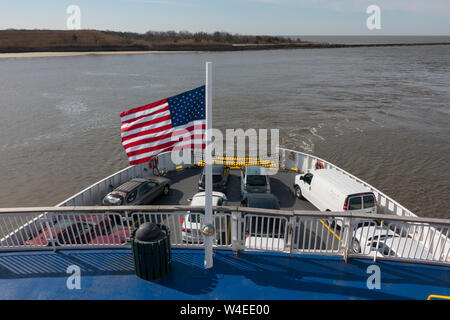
302, 178
189, 199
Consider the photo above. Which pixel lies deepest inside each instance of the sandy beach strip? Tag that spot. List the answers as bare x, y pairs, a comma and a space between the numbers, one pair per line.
68, 54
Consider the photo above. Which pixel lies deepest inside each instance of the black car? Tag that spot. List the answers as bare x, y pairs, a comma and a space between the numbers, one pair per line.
220, 175
259, 225
261, 200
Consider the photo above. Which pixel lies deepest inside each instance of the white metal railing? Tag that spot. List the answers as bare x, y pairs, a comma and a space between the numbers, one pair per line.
265, 232
236, 228
317, 235
186, 227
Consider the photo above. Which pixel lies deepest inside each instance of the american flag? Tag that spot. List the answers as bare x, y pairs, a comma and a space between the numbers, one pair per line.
174, 123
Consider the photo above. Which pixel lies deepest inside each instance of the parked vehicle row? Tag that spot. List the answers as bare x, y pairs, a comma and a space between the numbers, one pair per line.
326, 189
255, 192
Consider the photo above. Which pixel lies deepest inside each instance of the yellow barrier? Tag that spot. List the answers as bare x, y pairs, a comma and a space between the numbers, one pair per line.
235, 162
438, 297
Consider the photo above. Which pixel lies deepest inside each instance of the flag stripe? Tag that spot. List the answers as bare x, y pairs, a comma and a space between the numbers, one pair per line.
141, 111
161, 135
164, 142
160, 118
158, 150
158, 126
143, 160
146, 132
185, 136
154, 115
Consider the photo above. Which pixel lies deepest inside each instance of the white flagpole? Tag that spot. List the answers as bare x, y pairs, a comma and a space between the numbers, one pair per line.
208, 168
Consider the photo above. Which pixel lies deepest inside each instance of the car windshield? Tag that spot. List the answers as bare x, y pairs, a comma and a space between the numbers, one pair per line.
75, 231
256, 180
64, 223
113, 199
385, 250
215, 178
194, 218
263, 204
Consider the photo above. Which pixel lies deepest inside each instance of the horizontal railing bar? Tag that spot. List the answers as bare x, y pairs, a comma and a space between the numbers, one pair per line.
224, 209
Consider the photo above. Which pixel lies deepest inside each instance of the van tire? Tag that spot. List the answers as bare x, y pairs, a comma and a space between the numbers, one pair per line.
298, 192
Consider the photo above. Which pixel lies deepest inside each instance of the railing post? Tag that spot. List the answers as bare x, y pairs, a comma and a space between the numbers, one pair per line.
236, 226
348, 235
47, 221
291, 232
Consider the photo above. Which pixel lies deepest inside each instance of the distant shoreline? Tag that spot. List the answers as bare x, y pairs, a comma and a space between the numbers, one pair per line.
77, 51
49, 43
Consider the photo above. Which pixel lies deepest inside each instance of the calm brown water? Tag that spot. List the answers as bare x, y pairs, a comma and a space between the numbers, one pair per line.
380, 113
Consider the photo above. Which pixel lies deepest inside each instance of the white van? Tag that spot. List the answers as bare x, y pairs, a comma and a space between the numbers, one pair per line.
331, 190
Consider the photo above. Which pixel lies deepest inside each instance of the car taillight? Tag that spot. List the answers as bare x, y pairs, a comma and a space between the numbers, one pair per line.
345, 206
185, 230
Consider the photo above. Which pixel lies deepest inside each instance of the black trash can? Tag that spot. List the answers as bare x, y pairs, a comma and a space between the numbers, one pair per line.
152, 256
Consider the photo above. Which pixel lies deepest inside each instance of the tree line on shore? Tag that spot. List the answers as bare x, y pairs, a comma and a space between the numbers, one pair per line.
218, 37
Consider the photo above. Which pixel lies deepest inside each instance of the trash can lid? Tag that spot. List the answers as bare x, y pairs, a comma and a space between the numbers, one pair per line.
149, 231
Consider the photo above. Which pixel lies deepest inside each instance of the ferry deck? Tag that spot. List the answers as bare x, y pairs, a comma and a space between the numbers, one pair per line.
250, 275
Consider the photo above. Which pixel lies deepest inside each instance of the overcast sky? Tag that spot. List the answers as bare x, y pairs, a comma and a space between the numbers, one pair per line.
274, 17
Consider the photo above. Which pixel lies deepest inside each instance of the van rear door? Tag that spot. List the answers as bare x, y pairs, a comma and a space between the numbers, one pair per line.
363, 201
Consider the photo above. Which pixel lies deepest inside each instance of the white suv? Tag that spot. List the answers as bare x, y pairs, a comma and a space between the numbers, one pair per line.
191, 230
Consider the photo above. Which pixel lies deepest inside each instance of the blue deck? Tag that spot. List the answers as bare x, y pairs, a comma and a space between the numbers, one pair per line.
108, 274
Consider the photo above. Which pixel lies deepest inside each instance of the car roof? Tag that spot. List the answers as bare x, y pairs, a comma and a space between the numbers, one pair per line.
130, 185
342, 183
199, 198
255, 170
261, 196
157, 179
253, 198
